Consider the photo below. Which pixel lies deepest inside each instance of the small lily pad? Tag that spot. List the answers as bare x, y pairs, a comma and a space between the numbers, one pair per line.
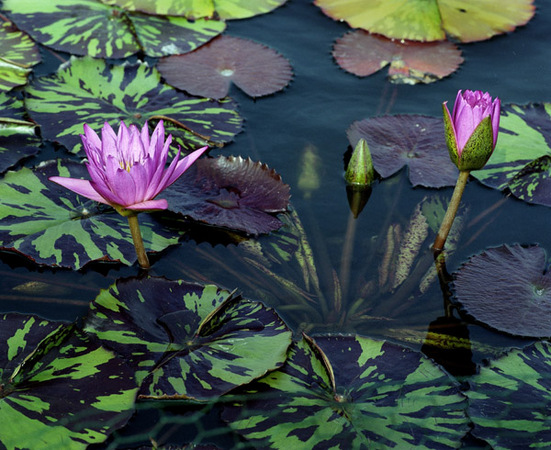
410, 62
187, 340
345, 392
407, 140
231, 192
59, 387
510, 399
507, 288
208, 71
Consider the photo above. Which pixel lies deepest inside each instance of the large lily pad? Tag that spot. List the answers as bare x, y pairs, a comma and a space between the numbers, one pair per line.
90, 27
59, 387
18, 138
510, 399
19, 54
188, 341
52, 225
432, 20
344, 392
410, 62
407, 140
508, 288
231, 192
91, 91
208, 71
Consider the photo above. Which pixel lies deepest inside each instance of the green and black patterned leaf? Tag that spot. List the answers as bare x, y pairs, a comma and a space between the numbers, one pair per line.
385, 396
188, 340
52, 225
59, 387
92, 91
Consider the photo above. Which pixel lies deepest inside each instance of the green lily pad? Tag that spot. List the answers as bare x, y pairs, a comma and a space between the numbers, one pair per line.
52, 225
89, 90
59, 387
90, 27
432, 20
187, 340
510, 399
19, 54
345, 392
18, 138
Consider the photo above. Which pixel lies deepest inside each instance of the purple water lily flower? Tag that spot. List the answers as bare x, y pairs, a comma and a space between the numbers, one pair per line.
472, 128
127, 169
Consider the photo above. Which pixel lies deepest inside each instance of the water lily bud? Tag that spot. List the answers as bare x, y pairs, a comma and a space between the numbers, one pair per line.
472, 128
360, 168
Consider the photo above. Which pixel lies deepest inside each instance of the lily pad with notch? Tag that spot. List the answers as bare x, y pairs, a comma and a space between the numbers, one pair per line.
188, 341
231, 192
345, 392
507, 288
101, 92
52, 225
415, 141
59, 387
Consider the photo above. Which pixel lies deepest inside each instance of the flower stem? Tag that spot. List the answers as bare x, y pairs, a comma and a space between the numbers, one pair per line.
138, 242
452, 210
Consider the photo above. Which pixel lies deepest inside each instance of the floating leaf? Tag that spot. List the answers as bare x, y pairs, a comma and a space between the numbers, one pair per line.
19, 54
59, 387
242, 9
91, 91
410, 62
208, 71
510, 399
422, 20
89, 27
231, 192
413, 140
17, 136
52, 225
508, 289
197, 341
533, 183
351, 392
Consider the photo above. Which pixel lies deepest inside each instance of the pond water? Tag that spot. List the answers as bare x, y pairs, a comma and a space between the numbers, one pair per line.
314, 112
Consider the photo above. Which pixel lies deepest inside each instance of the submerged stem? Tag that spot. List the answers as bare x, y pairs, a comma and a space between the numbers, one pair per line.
138, 241
451, 211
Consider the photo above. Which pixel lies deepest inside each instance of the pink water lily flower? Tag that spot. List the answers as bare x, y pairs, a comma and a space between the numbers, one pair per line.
127, 169
472, 128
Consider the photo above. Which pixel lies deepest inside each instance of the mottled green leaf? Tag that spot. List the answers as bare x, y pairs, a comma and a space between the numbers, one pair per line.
52, 225
59, 387
90, 27
241, 9
18, 138
383, 396
18, 54
510, 399
188, 341
93, 92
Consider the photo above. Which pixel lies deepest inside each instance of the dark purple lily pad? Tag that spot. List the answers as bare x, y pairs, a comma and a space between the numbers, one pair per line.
363, 54
508, 289
207, 72
415, 141
231, 192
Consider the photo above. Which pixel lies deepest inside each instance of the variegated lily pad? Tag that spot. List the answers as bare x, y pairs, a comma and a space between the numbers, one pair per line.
231, 192
18, 138
18, 54
59, 388
52, 225
187, 340
345, 392
90, 27
208, 71
510, 399
89, 90
410, 62
407, 140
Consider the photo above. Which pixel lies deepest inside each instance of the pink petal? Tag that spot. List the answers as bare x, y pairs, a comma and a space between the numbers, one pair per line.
182, 166
495, 118
149, 205
81, 187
